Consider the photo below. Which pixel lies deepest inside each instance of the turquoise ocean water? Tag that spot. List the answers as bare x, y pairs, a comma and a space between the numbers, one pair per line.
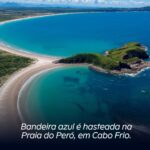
65, 35
77, 94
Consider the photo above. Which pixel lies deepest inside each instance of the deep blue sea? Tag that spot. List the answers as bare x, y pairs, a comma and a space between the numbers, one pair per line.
65, 35
77, 94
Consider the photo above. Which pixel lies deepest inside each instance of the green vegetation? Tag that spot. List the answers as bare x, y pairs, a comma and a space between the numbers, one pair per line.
10, 63
115, 59
130, 52
7, 12
95, 59
16, 13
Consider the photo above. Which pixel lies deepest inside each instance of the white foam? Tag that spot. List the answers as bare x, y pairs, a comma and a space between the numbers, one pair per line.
135, 74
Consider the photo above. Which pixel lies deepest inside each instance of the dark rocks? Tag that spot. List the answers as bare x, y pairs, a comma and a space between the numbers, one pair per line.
139, 54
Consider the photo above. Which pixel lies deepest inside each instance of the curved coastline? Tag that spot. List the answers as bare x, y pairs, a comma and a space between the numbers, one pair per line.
44, 15
10, 91
23, 111
15, 50
32, 17
50, 15
9, 117
25, 85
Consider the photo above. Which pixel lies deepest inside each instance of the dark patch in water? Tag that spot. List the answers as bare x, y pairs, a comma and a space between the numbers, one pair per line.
82, 90
80, 72
68, 79
69, 85
80, 107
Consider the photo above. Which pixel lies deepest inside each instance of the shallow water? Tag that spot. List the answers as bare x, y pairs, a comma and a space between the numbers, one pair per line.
77, 94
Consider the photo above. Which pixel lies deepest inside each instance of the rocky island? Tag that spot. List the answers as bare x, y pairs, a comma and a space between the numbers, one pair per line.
130, 58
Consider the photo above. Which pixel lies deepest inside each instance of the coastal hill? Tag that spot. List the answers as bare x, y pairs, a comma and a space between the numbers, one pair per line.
127, 59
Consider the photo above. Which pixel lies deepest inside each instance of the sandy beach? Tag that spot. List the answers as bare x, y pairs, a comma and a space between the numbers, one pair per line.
40, 16
9, 118
25, 18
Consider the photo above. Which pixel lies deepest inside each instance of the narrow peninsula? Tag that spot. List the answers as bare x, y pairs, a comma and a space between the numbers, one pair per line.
130, 58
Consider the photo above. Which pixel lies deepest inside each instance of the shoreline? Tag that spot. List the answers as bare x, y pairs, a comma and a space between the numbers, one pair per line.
16, 51
11, 88
9, 91
32, 17
22, 111
10, 118
126, 72
42, 16
25, 85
